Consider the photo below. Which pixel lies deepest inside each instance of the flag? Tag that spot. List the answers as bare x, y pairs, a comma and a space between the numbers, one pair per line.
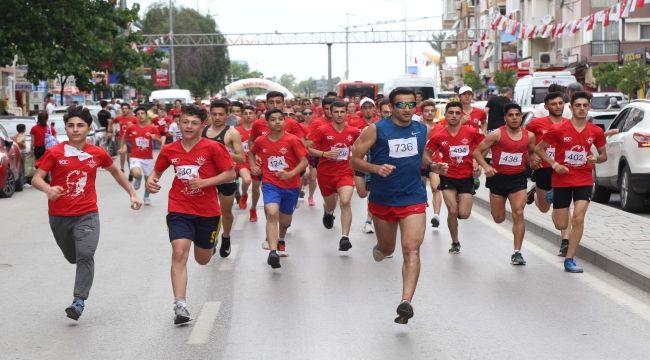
545, 31
569, 28
625, 8
636, 4
502, 19
590, 22
606, 17
523, 32
578, 23
553, 29
531, 31
509, 28
560, 30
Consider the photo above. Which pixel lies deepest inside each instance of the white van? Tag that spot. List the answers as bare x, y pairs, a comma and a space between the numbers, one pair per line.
531, 89
425, 85
170, 95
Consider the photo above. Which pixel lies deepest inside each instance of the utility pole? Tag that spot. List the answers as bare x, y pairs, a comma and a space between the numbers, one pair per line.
347, 44
477, 59
497, 45
172, 62
329, 66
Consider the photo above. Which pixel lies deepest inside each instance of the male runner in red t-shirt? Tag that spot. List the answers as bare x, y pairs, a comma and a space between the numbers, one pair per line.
72, 201
282, 157
512, 148
193, 208
428, 118
472, 115
244, 169
331, 143
162, 122
124, 121
573, 165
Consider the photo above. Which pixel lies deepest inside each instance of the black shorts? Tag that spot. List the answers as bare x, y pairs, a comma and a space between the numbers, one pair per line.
227, 189
562, 196
462, 186
201, 230
504, 185
542, 178
424, 172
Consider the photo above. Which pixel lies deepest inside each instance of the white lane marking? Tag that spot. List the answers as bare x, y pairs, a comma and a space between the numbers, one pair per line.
239, 222
228, 263
204, 323
636, 306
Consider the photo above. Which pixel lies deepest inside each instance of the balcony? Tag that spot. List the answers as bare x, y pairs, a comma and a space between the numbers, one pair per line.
605, 47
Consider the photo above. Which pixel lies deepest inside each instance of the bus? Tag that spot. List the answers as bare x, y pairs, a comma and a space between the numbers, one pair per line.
349, 89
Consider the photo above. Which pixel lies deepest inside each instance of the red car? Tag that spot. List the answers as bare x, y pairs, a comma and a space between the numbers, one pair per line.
12, 170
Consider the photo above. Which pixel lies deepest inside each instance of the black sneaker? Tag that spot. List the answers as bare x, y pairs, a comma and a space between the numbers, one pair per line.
274, 259
130, 177
302, 194
517, 259
328, 220
404, 312
564, 247
75, 310
345, 244
237, 196
477, 183
455, 248
224, 250
531, 196
435, 221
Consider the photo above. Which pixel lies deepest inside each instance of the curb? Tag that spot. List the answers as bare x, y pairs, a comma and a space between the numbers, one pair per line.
623, 272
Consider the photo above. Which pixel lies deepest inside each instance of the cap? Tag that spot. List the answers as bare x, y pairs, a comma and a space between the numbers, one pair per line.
366, 100
464, 89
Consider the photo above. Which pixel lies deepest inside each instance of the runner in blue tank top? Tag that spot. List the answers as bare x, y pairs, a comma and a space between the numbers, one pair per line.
398, 197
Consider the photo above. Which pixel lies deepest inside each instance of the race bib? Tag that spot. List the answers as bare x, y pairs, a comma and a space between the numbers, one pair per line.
343, 153
277, 163
245, 146
401, 148
576, 158
186, 172
458, 150
510, 159
142, 142
550, 151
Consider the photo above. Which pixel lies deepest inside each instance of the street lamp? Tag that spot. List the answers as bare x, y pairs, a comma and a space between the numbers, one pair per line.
405, 50
172, 62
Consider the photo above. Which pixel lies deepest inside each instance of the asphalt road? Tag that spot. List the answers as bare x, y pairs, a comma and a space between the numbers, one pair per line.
322, 304
615, 201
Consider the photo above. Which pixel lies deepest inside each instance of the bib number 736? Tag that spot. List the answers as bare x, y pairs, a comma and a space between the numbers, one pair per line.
401, 148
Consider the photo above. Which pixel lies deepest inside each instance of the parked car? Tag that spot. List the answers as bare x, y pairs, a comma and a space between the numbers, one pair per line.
9, 123
627, 169
12, 174
603, 111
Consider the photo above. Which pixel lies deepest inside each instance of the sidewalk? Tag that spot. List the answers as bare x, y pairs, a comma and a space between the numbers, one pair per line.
614, 240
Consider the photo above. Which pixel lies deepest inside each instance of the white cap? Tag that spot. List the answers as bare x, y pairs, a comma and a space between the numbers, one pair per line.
464, 89
366, 100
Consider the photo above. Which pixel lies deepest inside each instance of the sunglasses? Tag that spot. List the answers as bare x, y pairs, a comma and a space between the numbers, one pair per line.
289, 114
308, 113
404, 104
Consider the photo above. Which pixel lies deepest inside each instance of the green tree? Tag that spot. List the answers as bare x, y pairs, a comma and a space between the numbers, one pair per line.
635, 77
437, 44
607, 74
307, 87
200, 69
240, 70
473, 80
288, 81
505, 78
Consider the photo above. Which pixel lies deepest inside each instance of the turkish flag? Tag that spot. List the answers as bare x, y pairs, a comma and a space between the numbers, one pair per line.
590, 22
606, 19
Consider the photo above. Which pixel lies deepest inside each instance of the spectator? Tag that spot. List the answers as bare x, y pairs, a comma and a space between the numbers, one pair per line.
50, 104
38, 132
19, 138
494, 108
104, 115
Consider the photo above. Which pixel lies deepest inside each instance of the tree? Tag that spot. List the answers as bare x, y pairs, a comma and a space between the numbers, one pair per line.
288, 81
473, 80
437, 44
505, 78
607, 74
200, 69
240, 70
307, 87
636, 75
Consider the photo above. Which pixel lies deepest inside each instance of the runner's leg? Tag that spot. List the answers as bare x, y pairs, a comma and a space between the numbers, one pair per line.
180, 253
345, 198
577, 226
412, 233
450, 197
517, 204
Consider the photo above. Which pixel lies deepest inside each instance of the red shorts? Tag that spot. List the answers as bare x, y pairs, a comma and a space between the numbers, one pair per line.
245, 165
328, 184
394, 213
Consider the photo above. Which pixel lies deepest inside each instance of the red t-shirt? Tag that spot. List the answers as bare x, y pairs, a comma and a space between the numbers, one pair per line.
174, 111
38, 134
456, 150
283, 154
318, 111
76, 177
260, 128
245, 135
208, 159
571, 150
509, 157
316, 122
162, 124
326, 138
360, 123
291, 126
477, 117
125, 122
140, 139
539, 127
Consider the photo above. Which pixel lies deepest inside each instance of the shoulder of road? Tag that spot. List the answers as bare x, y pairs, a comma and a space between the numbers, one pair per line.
614, 240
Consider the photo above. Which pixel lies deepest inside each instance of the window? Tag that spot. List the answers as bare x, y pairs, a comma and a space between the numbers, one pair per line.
634, 117
602, 3
620, 119
605, 39
644, 31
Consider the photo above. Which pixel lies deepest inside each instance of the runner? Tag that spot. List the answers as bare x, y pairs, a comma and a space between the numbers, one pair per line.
176, 110
193, 213
72, 201
309, 178
331, 143
428, 118
572, 178
512, 148
244, 170
220, 132
124, 121
542, 192
174, 129
456, 143
398, 198
162, 122
361, 180
283, 157
140, 138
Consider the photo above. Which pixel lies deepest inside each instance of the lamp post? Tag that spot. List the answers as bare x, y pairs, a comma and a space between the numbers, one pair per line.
172, 63
405, 49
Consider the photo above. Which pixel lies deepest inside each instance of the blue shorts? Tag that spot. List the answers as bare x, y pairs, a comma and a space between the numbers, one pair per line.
201, 230
286, 198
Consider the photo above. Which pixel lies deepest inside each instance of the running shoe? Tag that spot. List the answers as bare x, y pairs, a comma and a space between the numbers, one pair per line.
253, 215
75, 310
274, 260
549, 196
531, 196
435, 221
517, 259
302, 193
265, 245
137, 183
404, 312
564, 247
368, 228
311, 201
455, 248
130, 177
242, 201
571, 266
477, 183
282, 248
147, 201
377, 254
181, 314
345, 244
237, 195
328, 220
224, 250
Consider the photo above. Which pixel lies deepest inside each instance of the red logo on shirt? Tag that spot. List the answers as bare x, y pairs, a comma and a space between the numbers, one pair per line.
568, 139
464, 141
200, 160
283, 150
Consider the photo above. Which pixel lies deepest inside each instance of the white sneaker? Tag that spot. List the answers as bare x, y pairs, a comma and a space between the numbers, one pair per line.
368, 228
265, 245
147, 201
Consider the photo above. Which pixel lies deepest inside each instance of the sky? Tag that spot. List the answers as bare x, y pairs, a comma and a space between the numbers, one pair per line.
367, 62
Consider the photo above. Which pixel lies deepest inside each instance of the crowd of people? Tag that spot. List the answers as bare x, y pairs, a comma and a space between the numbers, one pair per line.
387, 149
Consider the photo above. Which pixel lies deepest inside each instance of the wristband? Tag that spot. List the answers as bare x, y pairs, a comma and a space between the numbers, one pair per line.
553, 166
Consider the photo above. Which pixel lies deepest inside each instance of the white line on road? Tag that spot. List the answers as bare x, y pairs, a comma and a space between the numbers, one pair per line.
203, 325
228, 263
614, 294
240, 221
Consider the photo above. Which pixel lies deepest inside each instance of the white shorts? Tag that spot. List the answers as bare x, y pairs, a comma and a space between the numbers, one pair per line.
145, 164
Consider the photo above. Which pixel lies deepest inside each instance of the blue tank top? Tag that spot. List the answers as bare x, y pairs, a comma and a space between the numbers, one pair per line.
402, 147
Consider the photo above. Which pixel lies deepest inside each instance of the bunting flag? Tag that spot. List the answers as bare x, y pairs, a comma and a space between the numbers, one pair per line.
524, 30
590, 22
575, 29
531, 31
621, 8
606, 17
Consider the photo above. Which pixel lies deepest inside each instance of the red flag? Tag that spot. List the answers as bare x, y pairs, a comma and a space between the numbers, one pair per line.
577, 26
560, 29
637, 5
531, 33
606, 19
553, 31
622, 7
514, 28
590, 22
523, 32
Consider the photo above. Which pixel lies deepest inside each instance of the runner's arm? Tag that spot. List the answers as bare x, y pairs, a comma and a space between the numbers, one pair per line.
235, 141
224, 177
121, 179
482, 148
540, 150
52, 192
361, 147
533, 159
